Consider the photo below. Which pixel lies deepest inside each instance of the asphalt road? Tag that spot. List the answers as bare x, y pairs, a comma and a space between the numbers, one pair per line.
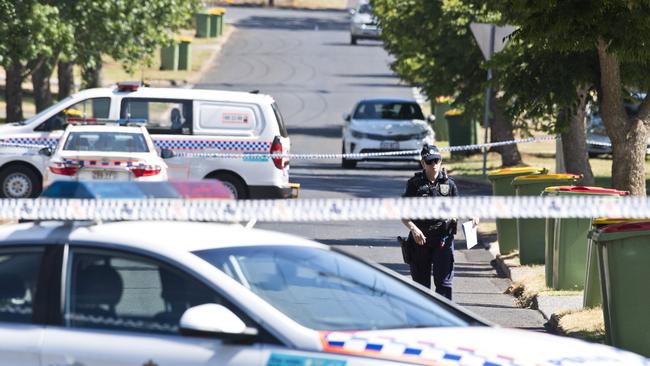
305, 61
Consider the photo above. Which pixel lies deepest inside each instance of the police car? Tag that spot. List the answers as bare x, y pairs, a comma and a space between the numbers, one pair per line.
215, 134
92, 149
179, 293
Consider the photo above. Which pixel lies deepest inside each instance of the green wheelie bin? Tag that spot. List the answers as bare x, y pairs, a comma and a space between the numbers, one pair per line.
567, 257
592, 293
624, 254
531, 232
501, 186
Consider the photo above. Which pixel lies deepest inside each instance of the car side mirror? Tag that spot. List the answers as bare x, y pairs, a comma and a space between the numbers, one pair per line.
214, 320
46, 151
347, 117
431, 118
167, 153
352, 11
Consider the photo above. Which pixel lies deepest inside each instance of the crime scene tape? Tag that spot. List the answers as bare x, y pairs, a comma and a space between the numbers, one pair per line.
265, 155
305, 210
253, 155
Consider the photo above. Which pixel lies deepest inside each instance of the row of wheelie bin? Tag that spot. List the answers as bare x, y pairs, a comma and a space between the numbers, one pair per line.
608, 258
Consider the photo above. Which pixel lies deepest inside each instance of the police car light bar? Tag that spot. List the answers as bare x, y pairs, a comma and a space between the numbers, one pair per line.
129, 86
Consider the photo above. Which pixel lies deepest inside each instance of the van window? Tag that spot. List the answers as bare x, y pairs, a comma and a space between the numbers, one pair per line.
164, 116
227, 118
278, 117
89, 108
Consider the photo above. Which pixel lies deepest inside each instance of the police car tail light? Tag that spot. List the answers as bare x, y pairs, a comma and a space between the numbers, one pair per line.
146, 171
276, 148
64, 169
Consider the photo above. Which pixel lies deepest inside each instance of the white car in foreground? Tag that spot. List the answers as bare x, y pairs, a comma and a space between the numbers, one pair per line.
385, 125
178, 293
106, 152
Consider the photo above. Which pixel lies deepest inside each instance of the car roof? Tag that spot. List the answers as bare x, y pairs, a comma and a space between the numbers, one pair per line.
387, 100
105, 128
168, 236
179, 93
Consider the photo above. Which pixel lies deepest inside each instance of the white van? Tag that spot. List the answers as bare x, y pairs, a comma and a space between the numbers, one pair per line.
184, 120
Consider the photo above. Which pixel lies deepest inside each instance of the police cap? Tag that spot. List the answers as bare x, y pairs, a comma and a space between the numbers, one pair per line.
430, 152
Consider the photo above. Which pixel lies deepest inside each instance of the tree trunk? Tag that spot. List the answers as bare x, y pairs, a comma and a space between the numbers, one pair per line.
628, 134
14, 92
574, 139
502, 130
41, 84
92, 77
66, 79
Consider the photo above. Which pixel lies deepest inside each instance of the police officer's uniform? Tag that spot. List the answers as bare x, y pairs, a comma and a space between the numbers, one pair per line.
437, 252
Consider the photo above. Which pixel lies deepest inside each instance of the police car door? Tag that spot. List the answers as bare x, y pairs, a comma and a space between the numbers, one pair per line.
19, 279
169, 122
124, 309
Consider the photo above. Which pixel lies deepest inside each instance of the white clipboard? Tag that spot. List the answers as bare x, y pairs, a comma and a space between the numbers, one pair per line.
469, 230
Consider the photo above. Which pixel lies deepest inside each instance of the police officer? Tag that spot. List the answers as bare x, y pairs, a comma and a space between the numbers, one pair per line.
431, 241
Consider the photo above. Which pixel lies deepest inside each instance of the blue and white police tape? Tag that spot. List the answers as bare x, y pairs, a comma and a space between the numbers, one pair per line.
305, 210
251, 155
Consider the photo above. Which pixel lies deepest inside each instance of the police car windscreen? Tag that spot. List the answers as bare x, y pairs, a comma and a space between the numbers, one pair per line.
326, 290
106, 142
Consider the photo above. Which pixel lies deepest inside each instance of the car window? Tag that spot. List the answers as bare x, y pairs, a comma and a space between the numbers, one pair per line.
19, 270
163, 116
118, 291
89, 108
388, 110
365, 9
326, 290
106, 142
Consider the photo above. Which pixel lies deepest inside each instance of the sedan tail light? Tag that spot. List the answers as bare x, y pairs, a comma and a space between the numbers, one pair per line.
145, 171
276, 148
64, 169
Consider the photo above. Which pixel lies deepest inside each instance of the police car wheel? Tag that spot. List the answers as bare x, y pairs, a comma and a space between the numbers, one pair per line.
233, 183
19, 182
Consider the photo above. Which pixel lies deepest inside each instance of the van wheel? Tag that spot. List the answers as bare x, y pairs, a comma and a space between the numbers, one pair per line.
234, 184
19, 182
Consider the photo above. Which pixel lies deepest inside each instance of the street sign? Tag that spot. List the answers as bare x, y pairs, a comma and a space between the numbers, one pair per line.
482, 33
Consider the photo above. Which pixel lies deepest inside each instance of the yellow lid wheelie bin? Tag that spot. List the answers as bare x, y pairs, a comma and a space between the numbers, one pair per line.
501, 186
530, 232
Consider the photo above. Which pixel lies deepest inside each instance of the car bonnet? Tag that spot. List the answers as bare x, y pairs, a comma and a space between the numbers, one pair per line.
388, 127
475, 346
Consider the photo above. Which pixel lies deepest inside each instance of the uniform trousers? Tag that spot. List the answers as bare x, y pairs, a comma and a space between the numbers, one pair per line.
431, 259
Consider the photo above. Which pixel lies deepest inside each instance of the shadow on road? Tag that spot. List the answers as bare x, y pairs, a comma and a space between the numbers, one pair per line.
329, 131
355, 185
379, 85
360, 242
293, 23
400, 268
373, 76
368, 44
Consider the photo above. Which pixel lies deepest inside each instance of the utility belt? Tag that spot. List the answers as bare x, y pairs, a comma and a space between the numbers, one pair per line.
441, 227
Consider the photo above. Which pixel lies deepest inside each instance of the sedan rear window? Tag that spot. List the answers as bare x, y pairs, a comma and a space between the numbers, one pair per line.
388, 110
327, 290
106, 142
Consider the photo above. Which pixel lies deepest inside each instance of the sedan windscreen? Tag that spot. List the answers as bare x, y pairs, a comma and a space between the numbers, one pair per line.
327, 290
388, 110
106, 142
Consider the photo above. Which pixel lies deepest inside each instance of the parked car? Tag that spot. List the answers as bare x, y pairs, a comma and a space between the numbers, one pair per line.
598, 142
384, 125
363, 24
174, 293
106, 151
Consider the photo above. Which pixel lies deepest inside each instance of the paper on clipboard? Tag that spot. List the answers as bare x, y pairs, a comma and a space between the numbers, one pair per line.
469, 230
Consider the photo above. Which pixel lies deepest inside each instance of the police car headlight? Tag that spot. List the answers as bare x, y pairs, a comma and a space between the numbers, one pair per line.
357, 134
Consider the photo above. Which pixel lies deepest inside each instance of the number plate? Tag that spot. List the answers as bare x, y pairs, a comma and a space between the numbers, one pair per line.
104, 175
389, 145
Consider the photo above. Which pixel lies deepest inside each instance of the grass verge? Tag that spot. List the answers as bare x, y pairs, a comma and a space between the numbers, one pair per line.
587, 324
